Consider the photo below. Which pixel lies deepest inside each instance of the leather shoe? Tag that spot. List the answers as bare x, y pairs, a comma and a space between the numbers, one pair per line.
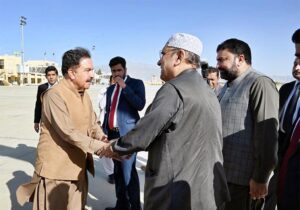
115, 208
111, 179
110, 208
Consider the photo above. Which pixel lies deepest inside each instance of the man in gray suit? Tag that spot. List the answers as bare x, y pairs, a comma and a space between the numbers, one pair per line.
249, 104
184, 169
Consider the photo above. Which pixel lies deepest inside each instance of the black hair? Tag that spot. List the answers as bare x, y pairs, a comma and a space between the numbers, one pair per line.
237, 47
204, 66
110, 80
72, 58
117, 60
51, 68
211, 69
296, 36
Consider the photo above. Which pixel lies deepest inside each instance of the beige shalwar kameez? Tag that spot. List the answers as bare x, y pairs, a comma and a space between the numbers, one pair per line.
69, 136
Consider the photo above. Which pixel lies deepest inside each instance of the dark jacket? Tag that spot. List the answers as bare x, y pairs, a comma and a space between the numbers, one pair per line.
132, 100
284, 138
291, 194
38, 104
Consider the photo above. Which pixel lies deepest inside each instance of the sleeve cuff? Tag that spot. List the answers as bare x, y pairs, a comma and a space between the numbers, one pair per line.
95, 145
261, 177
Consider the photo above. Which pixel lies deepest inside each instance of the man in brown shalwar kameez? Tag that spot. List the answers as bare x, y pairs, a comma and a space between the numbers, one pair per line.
69, 136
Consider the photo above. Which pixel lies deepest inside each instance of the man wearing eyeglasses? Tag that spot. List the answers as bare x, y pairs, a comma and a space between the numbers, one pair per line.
124, 99
184, 168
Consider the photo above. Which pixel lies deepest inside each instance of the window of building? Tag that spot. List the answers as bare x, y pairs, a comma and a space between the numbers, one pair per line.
1, 63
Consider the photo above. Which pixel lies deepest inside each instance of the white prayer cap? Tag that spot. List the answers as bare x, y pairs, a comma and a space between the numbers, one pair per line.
186, 42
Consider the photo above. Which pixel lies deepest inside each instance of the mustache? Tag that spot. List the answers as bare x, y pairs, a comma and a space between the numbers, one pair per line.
120, 76
222, 69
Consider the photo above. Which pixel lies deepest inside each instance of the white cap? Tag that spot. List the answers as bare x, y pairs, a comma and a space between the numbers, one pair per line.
186, 42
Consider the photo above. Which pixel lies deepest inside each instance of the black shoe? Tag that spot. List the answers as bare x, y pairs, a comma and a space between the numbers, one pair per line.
110, 208
111, 179
115, 208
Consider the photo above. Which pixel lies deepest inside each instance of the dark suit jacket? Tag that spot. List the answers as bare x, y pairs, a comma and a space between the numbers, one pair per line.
291, 195
284, 138
132, 100
38, 104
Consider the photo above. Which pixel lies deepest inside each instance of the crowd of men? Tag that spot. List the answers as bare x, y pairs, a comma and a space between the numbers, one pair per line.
210, 147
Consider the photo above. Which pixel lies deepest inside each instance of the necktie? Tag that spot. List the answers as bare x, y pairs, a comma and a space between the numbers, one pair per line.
290, 110
113, 108
284, 165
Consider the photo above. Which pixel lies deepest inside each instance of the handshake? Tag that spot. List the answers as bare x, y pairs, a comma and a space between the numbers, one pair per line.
107, 151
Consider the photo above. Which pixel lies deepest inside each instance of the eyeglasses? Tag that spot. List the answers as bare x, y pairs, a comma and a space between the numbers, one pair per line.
162, 53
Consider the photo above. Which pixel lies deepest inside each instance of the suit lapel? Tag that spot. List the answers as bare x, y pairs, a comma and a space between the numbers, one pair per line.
126, 82
288, 91
111, 90
284, 97
109, 94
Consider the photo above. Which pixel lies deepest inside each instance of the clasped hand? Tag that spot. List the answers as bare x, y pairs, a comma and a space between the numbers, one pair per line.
258, 190
106, 151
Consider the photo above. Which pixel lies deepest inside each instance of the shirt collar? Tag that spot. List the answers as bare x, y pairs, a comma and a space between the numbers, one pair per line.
239, 78
49, 85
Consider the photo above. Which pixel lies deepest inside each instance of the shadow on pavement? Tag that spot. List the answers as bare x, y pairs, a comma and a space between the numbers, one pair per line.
20, 177
21, 152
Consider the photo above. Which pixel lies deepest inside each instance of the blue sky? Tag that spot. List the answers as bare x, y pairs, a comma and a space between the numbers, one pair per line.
138, 29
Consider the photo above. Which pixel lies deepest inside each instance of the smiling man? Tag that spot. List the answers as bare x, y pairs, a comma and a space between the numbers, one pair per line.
68, 138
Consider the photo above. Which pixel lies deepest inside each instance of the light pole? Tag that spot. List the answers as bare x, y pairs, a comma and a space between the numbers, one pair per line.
95, 75
22, 24
53, 57
45, 53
